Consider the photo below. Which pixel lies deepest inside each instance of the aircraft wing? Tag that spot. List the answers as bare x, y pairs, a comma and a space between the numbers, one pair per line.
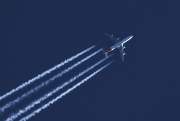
122, 57
122, 53
112, 38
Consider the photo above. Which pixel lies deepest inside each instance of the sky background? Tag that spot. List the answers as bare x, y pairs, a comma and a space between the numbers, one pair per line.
38, 34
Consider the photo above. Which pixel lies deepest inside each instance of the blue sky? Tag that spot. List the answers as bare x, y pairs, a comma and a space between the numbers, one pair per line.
36, 35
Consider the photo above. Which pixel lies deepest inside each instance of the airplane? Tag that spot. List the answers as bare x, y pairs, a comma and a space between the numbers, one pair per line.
119, 44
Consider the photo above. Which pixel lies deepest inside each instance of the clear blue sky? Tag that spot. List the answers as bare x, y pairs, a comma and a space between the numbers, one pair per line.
36, 35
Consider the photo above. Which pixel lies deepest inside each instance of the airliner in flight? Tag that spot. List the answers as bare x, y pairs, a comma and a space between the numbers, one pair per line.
118, 44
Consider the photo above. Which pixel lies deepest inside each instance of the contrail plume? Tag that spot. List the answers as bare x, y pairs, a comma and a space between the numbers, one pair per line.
44, 97
44, 73
60, 96
27, 94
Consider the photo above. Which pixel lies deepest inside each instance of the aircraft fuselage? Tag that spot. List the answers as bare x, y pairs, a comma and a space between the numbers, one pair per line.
117, 45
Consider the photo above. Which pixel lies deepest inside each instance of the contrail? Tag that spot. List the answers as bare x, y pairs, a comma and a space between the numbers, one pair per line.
27, 94
45, 73
44, 97
60, 96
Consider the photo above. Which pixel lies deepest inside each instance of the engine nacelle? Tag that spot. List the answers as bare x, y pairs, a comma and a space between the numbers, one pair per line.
124, 47
124, 53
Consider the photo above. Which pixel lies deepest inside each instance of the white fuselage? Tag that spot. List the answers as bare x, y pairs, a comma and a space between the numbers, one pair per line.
119, 44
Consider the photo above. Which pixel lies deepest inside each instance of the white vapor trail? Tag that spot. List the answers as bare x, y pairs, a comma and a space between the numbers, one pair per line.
44, 73
44, 97
27, 94
63, 94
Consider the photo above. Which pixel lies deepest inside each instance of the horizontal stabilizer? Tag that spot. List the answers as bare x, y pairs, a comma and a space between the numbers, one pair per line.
106, 53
